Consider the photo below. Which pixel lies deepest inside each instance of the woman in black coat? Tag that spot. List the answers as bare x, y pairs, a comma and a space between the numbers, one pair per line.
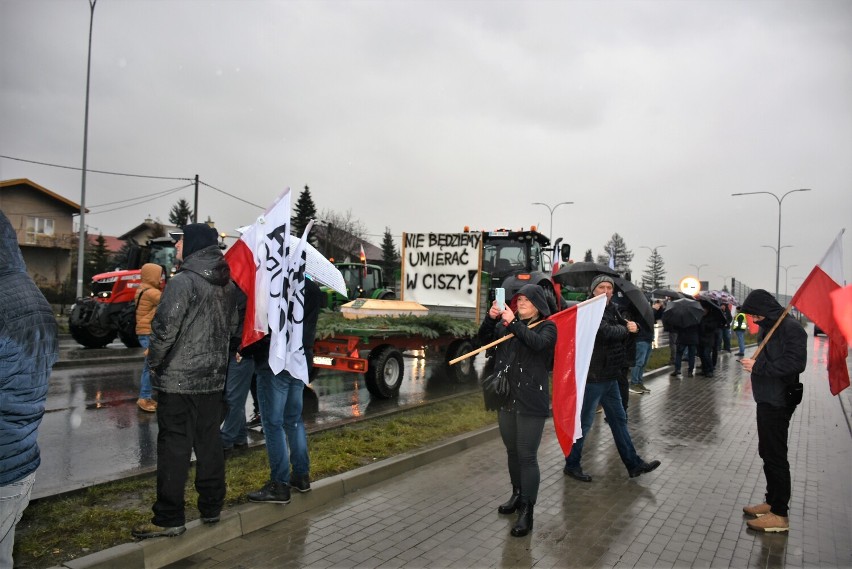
521, 416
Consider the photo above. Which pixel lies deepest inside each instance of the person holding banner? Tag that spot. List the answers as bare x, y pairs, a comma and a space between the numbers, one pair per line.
608, 359
521, 417
280, 397
776, 389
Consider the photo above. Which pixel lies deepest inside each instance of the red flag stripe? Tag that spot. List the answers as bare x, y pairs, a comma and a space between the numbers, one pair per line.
243, 272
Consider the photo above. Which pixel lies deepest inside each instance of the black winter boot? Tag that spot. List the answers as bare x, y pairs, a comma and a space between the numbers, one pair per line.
511, 505
525, 518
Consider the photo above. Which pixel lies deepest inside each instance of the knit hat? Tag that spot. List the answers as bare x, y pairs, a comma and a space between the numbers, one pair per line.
197, 236
601, 279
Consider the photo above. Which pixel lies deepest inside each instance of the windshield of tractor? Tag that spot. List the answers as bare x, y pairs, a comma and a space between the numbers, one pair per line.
504, 257
164, 255
352, 276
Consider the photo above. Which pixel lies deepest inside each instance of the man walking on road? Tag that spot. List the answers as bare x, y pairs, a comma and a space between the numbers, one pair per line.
606, 364
188, 356
776, 390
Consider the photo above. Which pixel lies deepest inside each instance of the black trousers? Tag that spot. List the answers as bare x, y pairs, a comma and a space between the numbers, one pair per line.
187, 423
773, 424
522, 435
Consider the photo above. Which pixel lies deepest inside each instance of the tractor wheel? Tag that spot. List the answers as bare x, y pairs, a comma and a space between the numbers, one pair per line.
387, 295
385, 372
463, 371
84, 327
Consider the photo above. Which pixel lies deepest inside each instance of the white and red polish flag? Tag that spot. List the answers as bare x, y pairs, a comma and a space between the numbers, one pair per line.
841, 302
576, 329
813, 299
262, 264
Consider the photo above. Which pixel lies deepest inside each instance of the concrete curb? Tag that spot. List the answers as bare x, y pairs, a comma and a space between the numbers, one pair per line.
246, 518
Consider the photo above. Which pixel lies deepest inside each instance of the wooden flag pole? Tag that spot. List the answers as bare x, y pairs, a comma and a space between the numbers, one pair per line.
771, 331
485, 347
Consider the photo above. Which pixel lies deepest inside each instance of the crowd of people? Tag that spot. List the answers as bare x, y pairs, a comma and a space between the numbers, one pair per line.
197, 365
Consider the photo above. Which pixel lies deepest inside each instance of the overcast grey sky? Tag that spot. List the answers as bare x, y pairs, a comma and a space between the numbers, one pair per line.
429, 116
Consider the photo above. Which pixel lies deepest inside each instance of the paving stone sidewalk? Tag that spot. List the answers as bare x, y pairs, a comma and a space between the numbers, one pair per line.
688, 513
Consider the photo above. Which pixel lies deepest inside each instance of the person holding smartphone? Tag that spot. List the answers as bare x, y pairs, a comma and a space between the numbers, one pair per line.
529, 356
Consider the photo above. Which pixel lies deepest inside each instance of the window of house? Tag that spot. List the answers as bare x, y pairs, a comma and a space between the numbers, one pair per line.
38, 226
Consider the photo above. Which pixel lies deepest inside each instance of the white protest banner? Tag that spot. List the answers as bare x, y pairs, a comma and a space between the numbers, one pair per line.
441, 268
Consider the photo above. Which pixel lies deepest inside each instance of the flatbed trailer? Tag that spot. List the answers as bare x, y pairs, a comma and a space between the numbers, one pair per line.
377, 353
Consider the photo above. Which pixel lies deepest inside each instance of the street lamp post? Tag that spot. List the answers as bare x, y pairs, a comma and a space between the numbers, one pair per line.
81, 246
786, 276
778, 249
551, 209
698, 270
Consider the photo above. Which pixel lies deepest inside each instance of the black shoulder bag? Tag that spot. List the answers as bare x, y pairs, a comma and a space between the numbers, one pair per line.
495, 387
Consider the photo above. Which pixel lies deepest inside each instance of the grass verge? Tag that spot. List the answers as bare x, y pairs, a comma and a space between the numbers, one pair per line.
58, 529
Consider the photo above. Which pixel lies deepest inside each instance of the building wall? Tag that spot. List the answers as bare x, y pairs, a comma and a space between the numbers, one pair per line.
47, 257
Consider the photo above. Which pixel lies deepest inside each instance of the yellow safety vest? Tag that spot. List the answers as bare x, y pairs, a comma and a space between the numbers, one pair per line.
739, 322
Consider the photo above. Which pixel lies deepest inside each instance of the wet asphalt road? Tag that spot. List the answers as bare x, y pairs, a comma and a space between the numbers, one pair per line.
93, 432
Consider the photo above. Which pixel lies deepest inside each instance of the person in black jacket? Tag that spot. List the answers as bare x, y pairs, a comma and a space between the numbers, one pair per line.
774, 384
608, 359
188, 356
28, 350
529, 355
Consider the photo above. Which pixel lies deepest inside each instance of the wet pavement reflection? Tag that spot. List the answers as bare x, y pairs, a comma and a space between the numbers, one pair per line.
93, 432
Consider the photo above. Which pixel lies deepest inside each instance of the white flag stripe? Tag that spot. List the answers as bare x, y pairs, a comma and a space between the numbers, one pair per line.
589, 315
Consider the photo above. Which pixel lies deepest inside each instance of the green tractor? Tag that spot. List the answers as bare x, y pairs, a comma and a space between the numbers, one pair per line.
362, 281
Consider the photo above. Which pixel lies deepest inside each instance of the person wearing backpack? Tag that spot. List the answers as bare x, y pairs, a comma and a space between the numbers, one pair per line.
147, 299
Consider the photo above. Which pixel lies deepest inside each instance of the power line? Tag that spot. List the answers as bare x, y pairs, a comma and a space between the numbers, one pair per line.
230, 195
141, 200
149, 196
95, 171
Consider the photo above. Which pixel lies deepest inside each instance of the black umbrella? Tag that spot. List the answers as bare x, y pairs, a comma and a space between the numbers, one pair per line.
667, 293
581, 274
683, 312
636, 298
711, 303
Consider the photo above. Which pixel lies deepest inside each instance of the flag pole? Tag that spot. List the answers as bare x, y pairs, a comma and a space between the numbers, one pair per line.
771, 331
491, 345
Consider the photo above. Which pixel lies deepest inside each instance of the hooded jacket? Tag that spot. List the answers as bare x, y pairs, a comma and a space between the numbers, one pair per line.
783, 357
148, 297
28, 350
194, 323
529, 355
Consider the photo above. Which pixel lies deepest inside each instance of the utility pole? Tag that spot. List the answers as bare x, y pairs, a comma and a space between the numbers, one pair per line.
195, 209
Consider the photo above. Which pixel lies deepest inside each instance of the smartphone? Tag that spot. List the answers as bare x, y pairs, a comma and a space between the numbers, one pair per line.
500, 297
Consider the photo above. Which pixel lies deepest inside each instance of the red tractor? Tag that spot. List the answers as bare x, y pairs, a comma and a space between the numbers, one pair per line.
110, 309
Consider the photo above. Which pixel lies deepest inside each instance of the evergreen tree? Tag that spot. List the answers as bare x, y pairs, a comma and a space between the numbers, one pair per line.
98, 257
655, 273
621, 255
588, 258
181, 213
390, 257
305, 211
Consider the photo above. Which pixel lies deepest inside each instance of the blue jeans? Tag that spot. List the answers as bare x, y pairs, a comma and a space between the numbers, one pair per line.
605, 393
14, 498
145, 380
280, 398
237, 384
741, 341
690, 356
643, 354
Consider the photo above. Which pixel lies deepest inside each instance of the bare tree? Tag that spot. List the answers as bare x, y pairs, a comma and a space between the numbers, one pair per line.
341, 235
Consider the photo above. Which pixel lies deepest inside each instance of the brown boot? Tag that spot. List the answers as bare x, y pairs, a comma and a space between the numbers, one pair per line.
770, 523
148, 405
757, 510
